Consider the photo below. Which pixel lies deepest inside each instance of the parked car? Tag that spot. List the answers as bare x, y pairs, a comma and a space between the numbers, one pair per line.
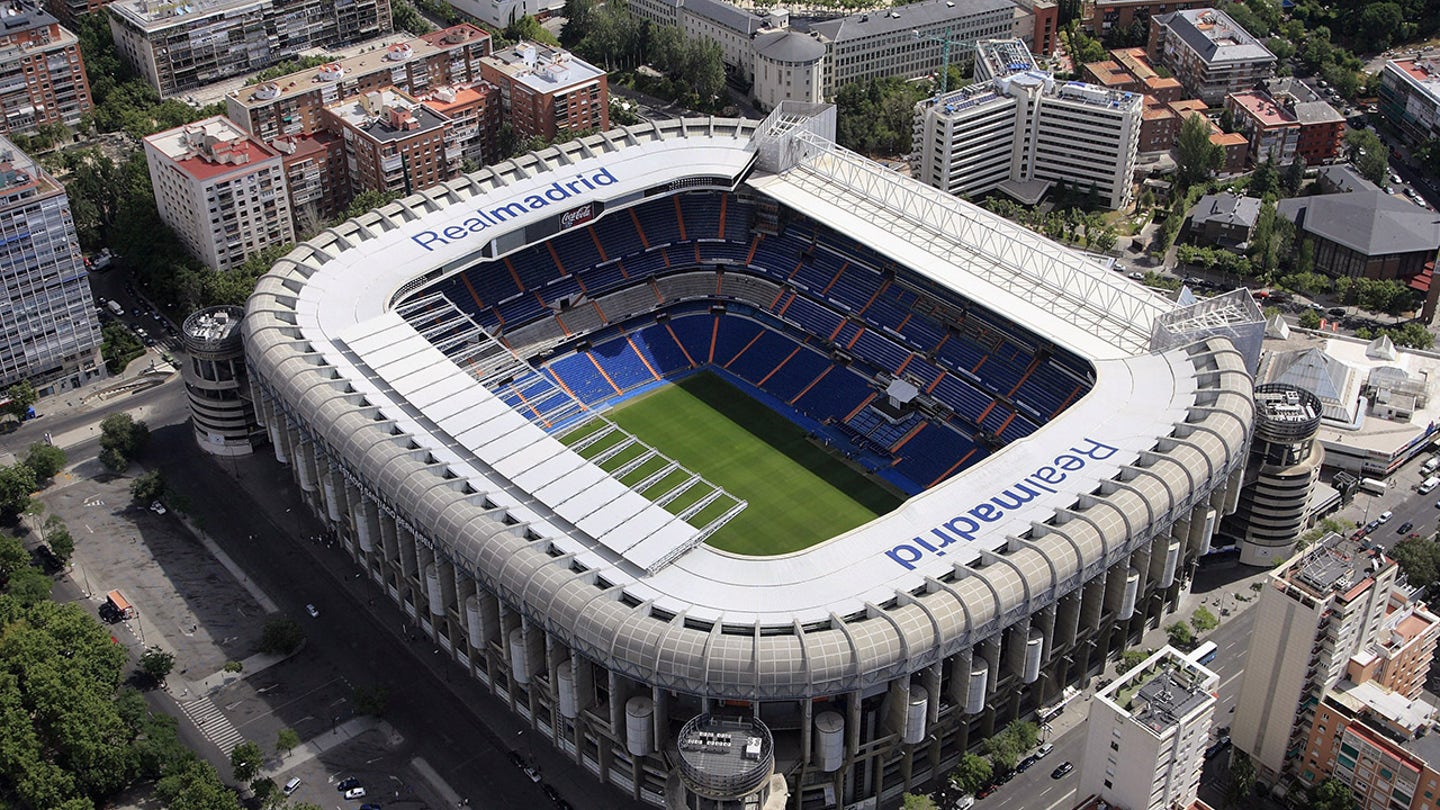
355, 793
1025, 763
1385, 516
313, 611
347, 783
1044, 750
532, 772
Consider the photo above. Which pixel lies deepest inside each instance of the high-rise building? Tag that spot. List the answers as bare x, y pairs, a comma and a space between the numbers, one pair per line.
1284, 465
1285, 119
474, 114
48, 331
42, 74
221, 190
180, 45
1024, 132
393, 143
1209, 53
548, 91
1147, 733
291, 104
1317, 610
67, 11
316, 177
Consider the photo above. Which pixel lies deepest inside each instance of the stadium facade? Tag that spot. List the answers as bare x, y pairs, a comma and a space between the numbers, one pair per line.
1078, 443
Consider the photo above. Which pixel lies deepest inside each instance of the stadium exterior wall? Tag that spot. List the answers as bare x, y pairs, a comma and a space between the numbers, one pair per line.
515, 615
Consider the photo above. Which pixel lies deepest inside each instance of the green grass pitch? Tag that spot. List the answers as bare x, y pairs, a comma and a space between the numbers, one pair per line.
799, 493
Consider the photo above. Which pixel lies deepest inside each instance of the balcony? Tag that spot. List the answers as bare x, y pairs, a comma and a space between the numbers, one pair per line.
394, 163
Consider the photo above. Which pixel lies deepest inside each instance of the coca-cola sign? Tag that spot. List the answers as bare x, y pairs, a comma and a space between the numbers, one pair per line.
577, 216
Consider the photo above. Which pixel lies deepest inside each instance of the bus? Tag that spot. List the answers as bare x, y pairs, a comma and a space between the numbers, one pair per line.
1205, 653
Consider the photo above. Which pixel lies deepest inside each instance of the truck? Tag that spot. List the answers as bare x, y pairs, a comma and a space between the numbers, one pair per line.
115, 308
117, 605
1374, 486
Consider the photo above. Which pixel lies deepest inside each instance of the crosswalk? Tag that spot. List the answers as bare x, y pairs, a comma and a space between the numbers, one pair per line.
213, 723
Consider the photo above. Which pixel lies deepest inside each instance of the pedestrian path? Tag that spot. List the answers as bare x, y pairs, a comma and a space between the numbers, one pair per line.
213, 723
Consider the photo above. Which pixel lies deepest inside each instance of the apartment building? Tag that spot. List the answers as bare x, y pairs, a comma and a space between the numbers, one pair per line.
474, 113
1410, 98
1147, 733
316, 177
67, 11
42, 73
1284, 119
49, 334
393, 143
221, 189
178, 45
1025, 132
291, 104
1130, 70
1209, 53
548, 91
1316, 610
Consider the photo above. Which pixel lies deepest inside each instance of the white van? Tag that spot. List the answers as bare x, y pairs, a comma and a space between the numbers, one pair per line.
1429, 484
1430, 466
292, 786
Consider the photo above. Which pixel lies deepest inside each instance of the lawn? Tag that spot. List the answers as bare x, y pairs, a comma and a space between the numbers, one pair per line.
799, 493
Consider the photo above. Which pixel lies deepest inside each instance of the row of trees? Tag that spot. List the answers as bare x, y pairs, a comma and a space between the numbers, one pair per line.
876, 117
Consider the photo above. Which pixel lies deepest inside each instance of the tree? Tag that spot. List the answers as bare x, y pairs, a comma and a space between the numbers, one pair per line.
157, 664
407, 18
44, 460
246, 759
286, 741
1332, 794
1180, 635
13, 557
195, 786
58, 538
1419, 560
1294, 176
1132, 658
20, 397
16, 484
267, 793
121, 439
1265, 179
30, 586
1309, 319
1197, 158
529, 28
281, 636
577, 21
1377, 25
917, 801
373, 700
1368, 154
148, 488
1203, 620
972, 773
1242, 779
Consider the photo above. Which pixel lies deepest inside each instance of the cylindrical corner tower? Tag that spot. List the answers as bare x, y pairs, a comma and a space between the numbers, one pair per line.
1284, 463
725, 763
221, 412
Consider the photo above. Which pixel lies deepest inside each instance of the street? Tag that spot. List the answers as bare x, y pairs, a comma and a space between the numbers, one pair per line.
446, 724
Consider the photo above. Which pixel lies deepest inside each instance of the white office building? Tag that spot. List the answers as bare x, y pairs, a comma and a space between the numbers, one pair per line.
906, 41
1025, 132
221, 189
1147, 734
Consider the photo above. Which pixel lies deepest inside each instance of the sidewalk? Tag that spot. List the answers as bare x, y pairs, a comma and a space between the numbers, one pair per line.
319, 744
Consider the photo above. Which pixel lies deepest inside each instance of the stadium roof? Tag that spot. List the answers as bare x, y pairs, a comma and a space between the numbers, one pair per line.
340, 291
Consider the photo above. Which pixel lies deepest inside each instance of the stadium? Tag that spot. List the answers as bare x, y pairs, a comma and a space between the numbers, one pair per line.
749, 472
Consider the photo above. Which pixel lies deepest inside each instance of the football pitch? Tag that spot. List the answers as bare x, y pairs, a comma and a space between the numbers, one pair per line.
798, 493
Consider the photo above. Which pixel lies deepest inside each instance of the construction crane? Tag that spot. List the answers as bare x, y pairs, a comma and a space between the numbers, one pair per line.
945, 43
